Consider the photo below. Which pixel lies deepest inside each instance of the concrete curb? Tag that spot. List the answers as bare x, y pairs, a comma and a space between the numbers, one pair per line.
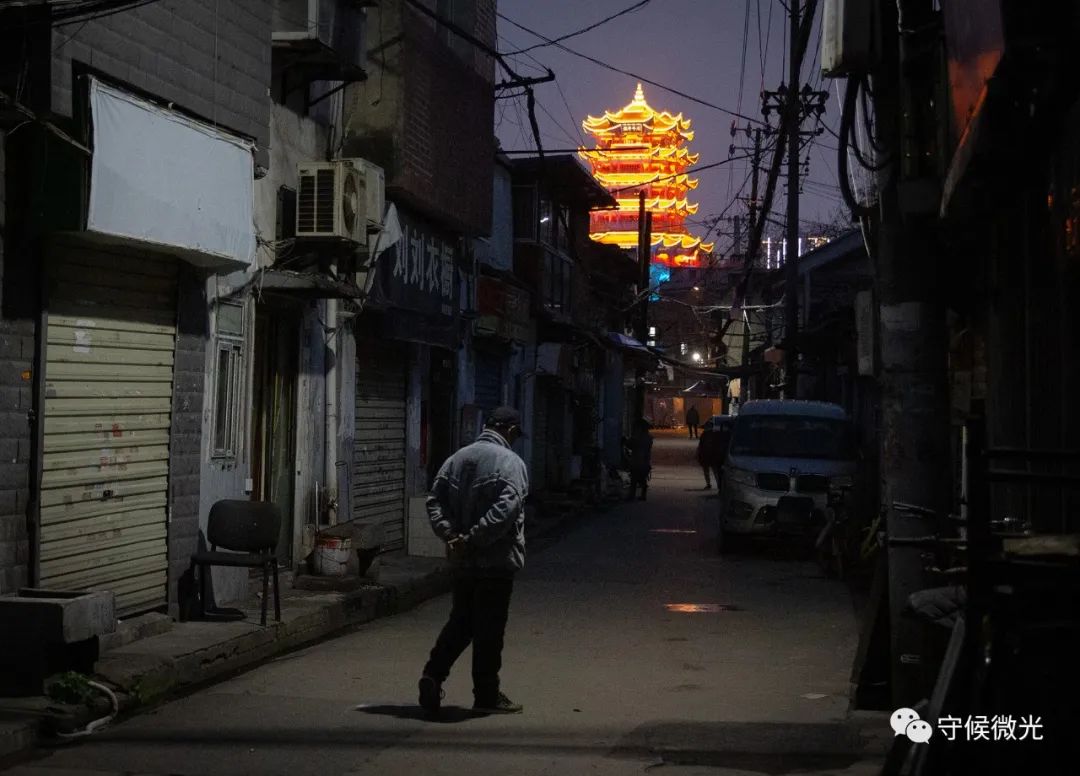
17, 736
145, 680
165, 664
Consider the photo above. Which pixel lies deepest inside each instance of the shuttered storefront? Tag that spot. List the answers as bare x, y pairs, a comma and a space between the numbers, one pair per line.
108, 405
379, 446
489, 381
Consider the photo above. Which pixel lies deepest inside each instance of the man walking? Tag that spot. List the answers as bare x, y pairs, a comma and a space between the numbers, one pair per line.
477, 506
692, 421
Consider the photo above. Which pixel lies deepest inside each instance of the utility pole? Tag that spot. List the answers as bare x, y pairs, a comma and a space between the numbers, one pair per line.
641, 320
791, 249
744, 381
913, 347
793, 104
756, 162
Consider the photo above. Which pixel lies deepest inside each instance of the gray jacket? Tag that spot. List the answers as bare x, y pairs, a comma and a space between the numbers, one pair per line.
479, 494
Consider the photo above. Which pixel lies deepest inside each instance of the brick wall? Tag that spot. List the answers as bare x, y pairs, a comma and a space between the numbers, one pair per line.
16, 357
210, 57
426, 115
185, 441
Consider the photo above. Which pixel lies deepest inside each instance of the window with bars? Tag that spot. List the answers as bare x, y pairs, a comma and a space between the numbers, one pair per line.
228, 381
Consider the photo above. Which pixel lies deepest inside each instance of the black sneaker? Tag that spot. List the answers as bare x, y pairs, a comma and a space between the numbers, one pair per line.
502, 705
431, 695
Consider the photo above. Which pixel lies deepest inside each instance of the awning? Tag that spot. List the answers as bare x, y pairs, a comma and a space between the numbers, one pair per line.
305, 285
628, 343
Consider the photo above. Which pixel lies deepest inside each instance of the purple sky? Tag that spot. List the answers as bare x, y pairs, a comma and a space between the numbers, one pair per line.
695, 46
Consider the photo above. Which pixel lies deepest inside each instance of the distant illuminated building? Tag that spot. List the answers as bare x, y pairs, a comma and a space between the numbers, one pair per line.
640, 149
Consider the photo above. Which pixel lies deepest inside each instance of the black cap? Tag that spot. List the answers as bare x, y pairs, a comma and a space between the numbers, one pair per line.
504, 417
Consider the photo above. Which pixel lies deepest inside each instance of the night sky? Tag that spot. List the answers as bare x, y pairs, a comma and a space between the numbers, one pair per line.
695, 46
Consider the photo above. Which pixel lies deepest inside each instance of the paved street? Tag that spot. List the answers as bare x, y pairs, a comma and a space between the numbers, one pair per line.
617, 675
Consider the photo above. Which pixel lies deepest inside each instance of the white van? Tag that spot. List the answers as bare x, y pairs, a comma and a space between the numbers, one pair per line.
784, 456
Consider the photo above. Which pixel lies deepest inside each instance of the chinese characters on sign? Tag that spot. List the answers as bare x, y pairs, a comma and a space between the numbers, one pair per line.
418, 273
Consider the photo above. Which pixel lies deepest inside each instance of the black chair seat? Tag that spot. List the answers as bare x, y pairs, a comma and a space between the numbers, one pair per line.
211, 558
250, 529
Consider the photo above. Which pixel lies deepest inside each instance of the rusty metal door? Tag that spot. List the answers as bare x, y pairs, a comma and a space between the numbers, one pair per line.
108, 406
378, 484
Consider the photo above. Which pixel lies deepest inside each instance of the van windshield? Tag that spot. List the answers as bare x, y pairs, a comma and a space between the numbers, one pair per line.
793, 436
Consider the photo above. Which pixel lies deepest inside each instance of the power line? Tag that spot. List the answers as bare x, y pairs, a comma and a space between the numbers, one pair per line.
555, 121
643, 79
583, 30
763, 53
742, 80
573, 121
696, 168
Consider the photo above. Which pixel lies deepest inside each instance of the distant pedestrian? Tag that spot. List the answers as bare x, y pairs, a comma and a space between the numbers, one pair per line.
692, 421
640, 458
705, 453
712, 450
477, 506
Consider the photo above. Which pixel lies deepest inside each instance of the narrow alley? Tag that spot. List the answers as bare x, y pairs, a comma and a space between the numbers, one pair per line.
631, 644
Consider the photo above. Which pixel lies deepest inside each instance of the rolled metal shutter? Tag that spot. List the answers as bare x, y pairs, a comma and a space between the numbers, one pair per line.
378, 483
108, 407
488, 381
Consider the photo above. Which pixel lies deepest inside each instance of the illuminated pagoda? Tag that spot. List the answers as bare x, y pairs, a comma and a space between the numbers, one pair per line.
638, 148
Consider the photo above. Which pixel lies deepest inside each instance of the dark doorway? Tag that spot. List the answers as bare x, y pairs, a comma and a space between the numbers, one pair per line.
441, 409
273, 422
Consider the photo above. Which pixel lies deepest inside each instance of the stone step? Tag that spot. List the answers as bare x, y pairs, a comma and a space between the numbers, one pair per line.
136, 628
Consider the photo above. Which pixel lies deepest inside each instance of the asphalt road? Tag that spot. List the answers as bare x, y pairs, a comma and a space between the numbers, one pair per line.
632, 645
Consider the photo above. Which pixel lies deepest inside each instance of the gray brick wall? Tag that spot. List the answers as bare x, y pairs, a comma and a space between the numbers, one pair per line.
210, 57
426, 115
185, 441
16, 358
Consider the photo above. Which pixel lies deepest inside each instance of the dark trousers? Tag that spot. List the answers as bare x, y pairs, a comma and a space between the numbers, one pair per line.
478, 615
693, 429
639, 478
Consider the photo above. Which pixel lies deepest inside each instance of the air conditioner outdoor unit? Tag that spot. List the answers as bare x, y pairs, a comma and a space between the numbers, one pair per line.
375, 189
328, 36
332, 200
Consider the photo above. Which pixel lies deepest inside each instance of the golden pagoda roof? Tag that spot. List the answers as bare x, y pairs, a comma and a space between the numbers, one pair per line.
638, 111
628, 239
639, 151
620, 179
631, 204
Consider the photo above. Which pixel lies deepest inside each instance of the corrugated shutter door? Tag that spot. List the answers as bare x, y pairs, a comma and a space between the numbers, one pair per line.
488, 381
379, 445
108, 406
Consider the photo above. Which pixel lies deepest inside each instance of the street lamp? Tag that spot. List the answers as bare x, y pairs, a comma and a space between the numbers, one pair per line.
696, 357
